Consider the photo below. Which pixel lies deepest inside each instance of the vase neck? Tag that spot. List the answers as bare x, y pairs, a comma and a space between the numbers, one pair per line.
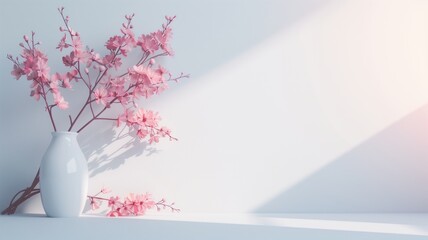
64, 133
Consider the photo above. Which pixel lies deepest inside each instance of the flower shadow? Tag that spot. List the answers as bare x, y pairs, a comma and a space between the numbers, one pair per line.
109, 149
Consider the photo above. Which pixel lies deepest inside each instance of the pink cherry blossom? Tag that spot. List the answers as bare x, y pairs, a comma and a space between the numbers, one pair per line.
69, 60
142, 133
17, 72
62, 44
132, 205
148, 43
163, 38
164, 131
36, 93
76, 43
113, 214
114, 202
105, 190
153, 139
110, 60
72, 74
60, 102
101, 96
114, 43
95, 204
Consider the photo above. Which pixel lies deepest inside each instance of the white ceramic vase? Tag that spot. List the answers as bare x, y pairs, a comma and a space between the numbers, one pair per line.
63, 176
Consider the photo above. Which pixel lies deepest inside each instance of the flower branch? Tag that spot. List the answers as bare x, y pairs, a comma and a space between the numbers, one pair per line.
132, 205
141, 80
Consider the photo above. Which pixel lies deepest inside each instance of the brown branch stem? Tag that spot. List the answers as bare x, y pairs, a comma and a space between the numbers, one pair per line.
27, 193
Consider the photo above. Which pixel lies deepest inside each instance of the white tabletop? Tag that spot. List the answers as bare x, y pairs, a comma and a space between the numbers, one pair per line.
219, 226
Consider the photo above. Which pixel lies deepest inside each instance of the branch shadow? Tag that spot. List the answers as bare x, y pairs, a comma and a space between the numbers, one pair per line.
386, 173
96, 148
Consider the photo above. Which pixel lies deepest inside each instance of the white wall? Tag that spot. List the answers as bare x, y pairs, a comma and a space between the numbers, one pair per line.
293, 106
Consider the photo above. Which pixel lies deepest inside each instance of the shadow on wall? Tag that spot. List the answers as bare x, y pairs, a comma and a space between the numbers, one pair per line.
238, 23
386, 173
95, 147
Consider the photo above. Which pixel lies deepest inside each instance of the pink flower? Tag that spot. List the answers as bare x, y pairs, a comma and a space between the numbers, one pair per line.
153, 138
114, 43
66, 83
101, 96
163, 38
72, 74
126, 117
76, 43
164, 131
92, 57
124, 211
148, 43
113, 214
147, 201
144, 79
95, 204
60, 102
113, 202
151, 118
62, 44
69, 60
170, 18
111, 60
130, 41
105, 190
138, 204
135, 204
36, 93
132, 203
17, 72
142, 133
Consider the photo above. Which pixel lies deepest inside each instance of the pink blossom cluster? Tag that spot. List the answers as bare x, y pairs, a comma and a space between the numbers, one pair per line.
132, 205
100, 74
35, 68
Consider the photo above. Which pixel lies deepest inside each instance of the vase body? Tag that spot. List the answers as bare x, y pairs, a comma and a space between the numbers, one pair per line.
63, 176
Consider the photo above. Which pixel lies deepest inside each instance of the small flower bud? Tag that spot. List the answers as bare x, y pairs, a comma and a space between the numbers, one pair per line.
86, 70
152, 61
21, 44
26, 38
102, 68
169, 18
